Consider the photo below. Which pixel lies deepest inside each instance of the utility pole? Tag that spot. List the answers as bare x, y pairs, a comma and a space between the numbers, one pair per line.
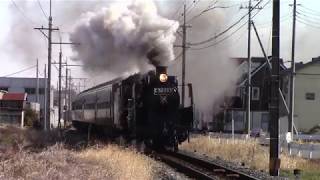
45, 97
49, 37
248, 112
184, 39
37, 76
293, 70
274, 160
59, 87
69, 99
249, 71
65, 97
184, 50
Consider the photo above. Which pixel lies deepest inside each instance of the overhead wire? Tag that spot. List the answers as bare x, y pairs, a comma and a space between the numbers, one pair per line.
306, 23
311, 11
43, 12
188, 8
173, 16
195, 3
225, 38
28, 68
308, 16
313, 22
22, 13
209, 8
226, 30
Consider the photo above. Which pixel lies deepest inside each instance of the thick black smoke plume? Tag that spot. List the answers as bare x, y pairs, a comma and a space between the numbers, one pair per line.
119, 37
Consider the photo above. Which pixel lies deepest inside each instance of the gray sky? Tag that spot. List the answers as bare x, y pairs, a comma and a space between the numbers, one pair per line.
29, 14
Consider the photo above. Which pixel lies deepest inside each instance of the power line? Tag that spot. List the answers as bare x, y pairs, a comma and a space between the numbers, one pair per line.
316, 19
307, 24
209, 8
28, 68
308, 20
218, 42
226, 30
177, 11
311, 11
39, 3
225, 38
188, 9
22, 13
282, 18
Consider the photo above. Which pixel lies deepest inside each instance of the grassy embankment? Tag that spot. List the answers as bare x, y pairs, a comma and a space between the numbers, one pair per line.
28, 154
252, 154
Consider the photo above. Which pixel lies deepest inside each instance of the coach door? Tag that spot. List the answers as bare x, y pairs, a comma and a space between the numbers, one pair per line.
116, 105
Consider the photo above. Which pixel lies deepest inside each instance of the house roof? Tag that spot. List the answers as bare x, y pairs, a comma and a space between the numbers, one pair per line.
14, 96
254, 71
301, 65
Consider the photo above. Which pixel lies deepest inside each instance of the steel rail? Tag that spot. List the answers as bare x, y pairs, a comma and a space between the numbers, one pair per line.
200, 168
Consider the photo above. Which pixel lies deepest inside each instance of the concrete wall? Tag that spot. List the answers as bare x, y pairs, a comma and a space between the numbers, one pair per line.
307, 112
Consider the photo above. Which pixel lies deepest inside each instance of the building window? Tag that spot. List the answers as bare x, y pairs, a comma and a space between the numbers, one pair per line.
41, 90
310, 96
4, 88
30, 90
255, 93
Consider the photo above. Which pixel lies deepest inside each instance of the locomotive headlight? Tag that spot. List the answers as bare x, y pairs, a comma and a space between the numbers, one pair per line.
163, 78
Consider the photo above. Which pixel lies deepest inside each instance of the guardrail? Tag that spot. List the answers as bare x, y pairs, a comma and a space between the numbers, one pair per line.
307, 137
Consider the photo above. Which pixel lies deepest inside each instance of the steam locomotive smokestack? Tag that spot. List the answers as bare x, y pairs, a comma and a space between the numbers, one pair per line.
161, 70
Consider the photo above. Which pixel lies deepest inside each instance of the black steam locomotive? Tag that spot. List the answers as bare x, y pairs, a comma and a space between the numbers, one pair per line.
144, 107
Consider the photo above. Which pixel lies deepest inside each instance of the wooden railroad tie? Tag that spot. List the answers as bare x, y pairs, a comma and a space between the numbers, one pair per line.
233, 175
219, 170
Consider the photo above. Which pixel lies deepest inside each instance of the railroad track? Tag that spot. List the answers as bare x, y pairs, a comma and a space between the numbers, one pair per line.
200, 168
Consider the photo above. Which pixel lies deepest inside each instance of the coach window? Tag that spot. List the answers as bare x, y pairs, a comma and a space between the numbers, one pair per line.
310, 96
255, 93
30, 90
4, 88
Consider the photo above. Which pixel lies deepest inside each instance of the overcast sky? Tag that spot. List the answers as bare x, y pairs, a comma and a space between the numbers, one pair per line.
28, 14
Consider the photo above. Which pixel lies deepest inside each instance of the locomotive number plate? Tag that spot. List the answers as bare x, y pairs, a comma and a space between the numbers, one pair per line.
164, 91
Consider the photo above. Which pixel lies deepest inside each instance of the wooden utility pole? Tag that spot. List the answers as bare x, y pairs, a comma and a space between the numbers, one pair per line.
184, 39
59, 87
293, 70
274, 161
249, 72
37, 86
69, 99
248, 112
45, 98
49, 37
65, 97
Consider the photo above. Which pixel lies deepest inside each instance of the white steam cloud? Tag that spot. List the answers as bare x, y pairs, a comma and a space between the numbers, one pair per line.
119, 37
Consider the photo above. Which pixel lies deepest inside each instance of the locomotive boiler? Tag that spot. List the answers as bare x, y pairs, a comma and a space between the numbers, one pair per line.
144, 107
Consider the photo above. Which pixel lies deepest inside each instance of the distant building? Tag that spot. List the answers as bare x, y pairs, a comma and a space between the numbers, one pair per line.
12, 108
29, 86
307, 96
235, 107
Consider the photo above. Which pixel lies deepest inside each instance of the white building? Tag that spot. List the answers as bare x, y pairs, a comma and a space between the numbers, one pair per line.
307, 96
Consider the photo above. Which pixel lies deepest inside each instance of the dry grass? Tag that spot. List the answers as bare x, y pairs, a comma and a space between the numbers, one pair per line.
246, 151
58, 162
121, 163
